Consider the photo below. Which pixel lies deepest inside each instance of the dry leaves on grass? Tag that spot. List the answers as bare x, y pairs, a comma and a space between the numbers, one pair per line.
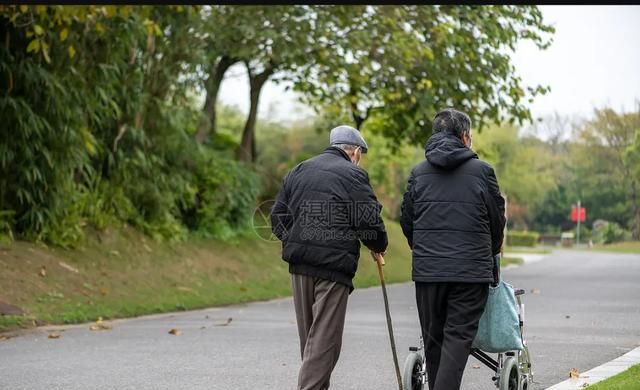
175, 332
574, 373
99, 325
226, 322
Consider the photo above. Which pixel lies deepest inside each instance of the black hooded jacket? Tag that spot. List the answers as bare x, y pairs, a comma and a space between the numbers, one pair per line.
325, 207
452, 214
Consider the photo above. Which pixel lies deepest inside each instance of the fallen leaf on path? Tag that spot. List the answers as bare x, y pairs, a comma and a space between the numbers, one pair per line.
68, 267
54, 336
475, 366
4, 338
535, 291
574, 373
43, 271
175, 332
226, 323
99, 325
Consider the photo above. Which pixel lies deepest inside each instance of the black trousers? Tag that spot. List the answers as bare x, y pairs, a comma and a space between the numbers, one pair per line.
449, 315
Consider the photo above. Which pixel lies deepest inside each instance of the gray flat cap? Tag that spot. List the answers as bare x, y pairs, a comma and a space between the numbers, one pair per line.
347, 135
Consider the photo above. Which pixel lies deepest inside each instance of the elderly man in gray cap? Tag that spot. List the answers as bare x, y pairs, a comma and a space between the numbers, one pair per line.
325, 207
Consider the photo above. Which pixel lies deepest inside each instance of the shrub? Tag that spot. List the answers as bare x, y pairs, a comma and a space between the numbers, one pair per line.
610, 233
222, 196
522, 238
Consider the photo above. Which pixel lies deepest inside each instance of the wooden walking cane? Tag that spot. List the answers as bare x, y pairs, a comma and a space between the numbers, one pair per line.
380, 261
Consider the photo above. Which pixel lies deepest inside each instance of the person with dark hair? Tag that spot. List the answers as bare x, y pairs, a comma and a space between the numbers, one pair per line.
452, 215
325, 208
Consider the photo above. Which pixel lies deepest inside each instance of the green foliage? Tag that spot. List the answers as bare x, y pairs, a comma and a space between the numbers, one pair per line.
282, 147
552, 215
607, 170
611, 233
526, 169
101, 114
225, 197
403, 63
522, 238
6, 222
389, 167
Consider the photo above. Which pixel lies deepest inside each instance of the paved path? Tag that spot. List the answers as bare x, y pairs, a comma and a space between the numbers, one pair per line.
585, 312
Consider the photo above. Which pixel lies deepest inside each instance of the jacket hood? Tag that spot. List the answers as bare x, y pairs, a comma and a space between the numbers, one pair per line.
447, 151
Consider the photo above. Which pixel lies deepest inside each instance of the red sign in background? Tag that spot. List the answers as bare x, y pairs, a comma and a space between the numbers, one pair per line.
578, 214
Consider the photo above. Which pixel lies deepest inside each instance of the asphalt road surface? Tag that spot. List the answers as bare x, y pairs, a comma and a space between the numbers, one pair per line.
584, 310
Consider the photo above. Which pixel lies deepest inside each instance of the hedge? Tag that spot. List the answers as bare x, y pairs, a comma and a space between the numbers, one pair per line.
522, 238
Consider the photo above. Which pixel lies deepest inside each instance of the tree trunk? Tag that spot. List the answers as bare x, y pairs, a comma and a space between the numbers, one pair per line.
357, 119
207, 123
247, 149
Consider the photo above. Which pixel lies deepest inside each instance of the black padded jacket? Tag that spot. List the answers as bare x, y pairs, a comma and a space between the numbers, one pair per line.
325, 207
453, 214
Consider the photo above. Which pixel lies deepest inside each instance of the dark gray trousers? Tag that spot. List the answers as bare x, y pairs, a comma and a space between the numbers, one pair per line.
449, 315
320, 307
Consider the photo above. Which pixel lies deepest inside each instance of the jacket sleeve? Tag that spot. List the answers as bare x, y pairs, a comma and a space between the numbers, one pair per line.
368, 221
281, 218
495, 206
406, 212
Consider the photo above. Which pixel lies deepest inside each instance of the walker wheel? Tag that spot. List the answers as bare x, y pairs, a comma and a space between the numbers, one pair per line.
510, 375
413, 378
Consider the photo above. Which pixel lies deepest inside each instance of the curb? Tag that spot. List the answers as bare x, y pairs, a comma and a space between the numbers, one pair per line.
601, 372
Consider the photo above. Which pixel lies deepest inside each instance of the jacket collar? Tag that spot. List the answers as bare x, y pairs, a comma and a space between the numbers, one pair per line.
337, 151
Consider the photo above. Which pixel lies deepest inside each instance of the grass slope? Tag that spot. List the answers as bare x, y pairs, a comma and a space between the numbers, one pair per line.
620, 247
121, 273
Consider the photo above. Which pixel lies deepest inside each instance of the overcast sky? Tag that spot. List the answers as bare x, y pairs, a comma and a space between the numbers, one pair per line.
593, 61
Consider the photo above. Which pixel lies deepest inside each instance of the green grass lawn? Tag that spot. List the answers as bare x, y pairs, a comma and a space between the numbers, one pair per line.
621, 247
121, 273
525, 249
505, 261
626, 380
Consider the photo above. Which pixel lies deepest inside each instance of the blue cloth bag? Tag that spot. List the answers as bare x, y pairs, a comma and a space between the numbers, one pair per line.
499, 328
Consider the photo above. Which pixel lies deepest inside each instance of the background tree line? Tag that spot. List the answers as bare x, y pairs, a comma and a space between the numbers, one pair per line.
102, 121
